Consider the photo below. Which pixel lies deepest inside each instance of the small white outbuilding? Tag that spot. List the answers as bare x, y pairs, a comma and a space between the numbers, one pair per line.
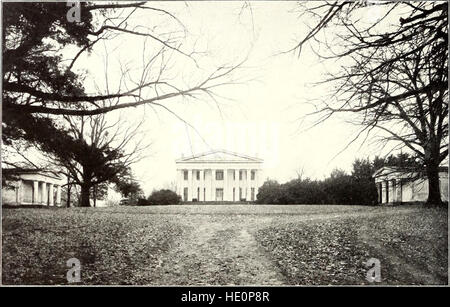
395, 185
32, 187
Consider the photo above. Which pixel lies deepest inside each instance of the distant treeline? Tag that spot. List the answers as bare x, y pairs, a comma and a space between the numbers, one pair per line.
357, 188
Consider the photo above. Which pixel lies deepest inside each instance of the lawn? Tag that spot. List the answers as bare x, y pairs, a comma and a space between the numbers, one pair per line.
411, 246
227, 244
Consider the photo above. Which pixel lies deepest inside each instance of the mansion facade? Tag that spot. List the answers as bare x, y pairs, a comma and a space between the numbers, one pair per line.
219, 176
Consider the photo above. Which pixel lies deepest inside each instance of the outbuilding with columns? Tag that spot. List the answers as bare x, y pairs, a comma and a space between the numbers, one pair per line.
219, 176
395, 185
31, 187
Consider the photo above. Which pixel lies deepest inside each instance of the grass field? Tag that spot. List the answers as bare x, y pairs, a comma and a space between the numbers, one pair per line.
225, 245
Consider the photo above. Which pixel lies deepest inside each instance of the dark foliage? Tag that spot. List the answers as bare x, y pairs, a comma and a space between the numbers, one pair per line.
161, 197
357, 188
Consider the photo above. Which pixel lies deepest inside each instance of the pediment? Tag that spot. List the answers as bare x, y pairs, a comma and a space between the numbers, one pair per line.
219, 156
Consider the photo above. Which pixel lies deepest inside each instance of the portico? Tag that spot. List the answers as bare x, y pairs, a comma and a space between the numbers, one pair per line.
218, 176
395, 185
32, 187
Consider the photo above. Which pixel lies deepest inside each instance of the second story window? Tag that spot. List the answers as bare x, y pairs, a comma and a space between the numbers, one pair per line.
198, 175
219, 175
185, 174
240, 175
253, 175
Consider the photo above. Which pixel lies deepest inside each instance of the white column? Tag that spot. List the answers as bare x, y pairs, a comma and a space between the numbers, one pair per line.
238, 185
19, 192
35, 192
256, 182
189, 185
230, 193
182, 183
202, 185
225, 184
249, 185
58, 195
394, 190
209, 186
194, 184
399, 190
52, 195
213, 184
384, 191
206, 184
44, 199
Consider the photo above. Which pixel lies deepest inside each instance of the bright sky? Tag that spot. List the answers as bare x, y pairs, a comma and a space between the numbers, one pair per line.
261, 116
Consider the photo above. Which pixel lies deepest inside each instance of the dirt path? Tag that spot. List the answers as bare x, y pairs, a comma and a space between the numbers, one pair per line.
217, 253
224, 251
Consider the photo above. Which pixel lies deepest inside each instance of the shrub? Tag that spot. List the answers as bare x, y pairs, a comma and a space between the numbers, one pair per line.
163, 197
143, 202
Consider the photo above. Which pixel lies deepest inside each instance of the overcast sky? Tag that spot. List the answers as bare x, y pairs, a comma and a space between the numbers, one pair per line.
258, 117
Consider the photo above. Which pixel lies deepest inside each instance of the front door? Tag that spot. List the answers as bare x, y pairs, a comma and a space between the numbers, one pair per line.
219, 194
185, 194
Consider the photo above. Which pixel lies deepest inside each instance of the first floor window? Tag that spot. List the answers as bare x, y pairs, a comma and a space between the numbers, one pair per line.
253, 194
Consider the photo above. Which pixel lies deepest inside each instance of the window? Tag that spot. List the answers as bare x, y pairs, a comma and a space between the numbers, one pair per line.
234, 175
240, 175
185, 174
234, 194
253, 194
198, 175
240, 193
253, 175
219, 175
198, 194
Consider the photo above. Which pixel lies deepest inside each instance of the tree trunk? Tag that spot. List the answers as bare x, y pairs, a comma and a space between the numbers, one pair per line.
95, 196
85, 189
434, 191
69, 188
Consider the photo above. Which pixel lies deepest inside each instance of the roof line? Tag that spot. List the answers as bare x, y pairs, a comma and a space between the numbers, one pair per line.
218, 151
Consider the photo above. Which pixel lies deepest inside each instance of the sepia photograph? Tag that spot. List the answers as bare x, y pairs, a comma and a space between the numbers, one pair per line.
211, 144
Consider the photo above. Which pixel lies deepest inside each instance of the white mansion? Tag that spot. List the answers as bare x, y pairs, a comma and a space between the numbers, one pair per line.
218, 176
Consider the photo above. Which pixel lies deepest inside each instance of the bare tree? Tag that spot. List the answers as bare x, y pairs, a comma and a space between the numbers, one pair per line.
102, 152
393, 80
29, 88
